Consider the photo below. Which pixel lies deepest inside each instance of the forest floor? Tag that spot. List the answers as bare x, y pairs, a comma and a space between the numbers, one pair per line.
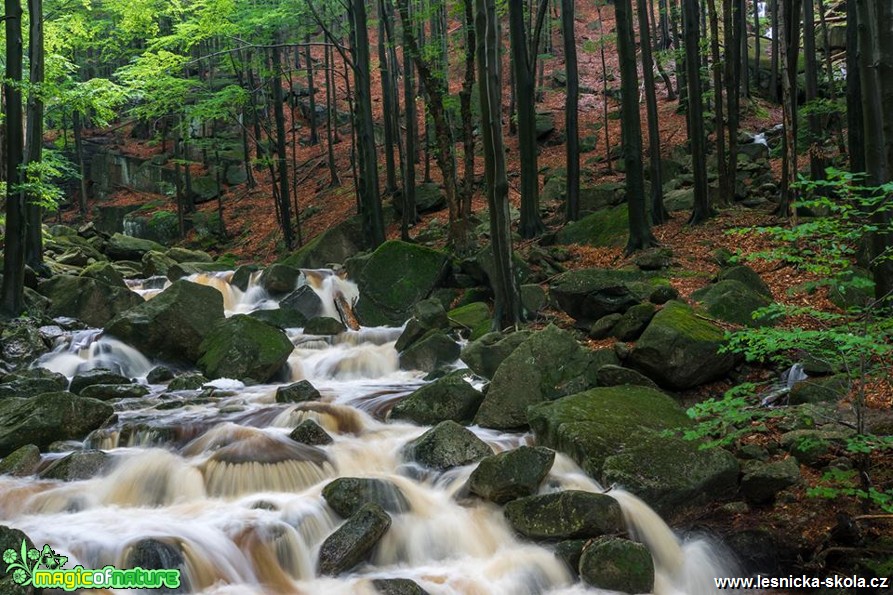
254, 236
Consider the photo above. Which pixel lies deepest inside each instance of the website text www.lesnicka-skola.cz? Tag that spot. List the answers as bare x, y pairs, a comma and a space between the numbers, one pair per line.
801, 582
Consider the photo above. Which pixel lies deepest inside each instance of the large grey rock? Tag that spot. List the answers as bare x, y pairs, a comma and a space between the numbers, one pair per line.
304, 301
87, 378
762, 481
122, 247
618, 435
394, 278
279, 279
21, 462
334, 245
78, 465
749, 277
484, 355
353, 541
589, 294
512, 474
548, 365
565, 515
297, 392
446, 445
733, 301
616, 564
449, 397
87, 299
346, 495
397, 586
244, 348
49, 417
12, 539
679, 350
173, 324
21, 342
430, 353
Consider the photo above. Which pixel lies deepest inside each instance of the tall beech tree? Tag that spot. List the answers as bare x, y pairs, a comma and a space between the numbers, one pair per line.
572, 146
702, 209
507, 309
631, 127
34, 142
659, 213
14, 242
524, 57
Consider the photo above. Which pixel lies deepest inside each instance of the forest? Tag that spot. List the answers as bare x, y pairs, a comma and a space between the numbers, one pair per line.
447, 296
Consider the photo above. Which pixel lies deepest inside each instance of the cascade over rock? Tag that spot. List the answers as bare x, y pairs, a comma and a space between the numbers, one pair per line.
548, 365
173, 324
679, 350
565, 515
394, 278
616, 435
244, 348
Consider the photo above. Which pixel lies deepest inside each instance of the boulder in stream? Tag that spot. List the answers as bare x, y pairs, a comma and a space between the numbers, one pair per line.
297, 392
21, 462
353, 541
173, 324
434, 350
81, 464
446, 445
244, 348
49, 417
571, 514
87, 299
484, 355
449, 397
347, 495
87, 378
12, 539
512, 474
397, 586
617, 564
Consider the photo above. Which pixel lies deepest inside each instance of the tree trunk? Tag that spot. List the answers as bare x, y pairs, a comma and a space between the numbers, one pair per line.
410, 217
387, 103
816, 150
14, 249
436, 90
311, 90
659, 214
733, 17
524, 68
507, 307
331, 117
601, 28
373, 221
465, 110
279, 114
34, 142
702, 208
631, 126
726, 186
773, 63
789, 25
572, 145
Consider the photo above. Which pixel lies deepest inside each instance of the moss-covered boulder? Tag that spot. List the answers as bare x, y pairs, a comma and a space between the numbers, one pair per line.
600, 196
680, 350
429, 197
87, 299
335, 245
181, 270
49, 417
589, 294
616, 564
446, 445
484, 355
633, 322
20, 344
156, 264
187, 381
81, 464
762, 481
111, 392
21, 462
346, 495
436, 349
395, 277
244, 348
749, 277
12, 539
617, 435
309, 432
449, 397
353, 541
473, 318
565, 515
733, 301
179, 254
512, 474
280, 317
105, 272
297, 392
427, 315
122, 247
279, 279
605, 228
87, 378
548, 365
397, 586
324, 326
612, 375
173, 324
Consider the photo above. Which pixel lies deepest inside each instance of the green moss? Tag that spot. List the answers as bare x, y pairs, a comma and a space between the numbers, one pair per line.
682, 319
607, 228
474, 316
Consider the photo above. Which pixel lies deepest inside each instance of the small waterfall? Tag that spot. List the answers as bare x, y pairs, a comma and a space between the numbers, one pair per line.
84, 350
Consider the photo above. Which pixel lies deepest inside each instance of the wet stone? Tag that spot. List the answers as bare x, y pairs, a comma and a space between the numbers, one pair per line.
96, 376
297, 392
309, 432
76, 466
346, 495
23, 461
353, 542
398, 586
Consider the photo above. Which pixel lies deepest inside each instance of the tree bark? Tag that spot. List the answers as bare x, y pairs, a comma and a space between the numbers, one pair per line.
631, 126
507, 307
14, 249
572, 146
726, 185
409, 207
387, 103
702, 209
311, 90
279, 114
465, 110
34, 142
524, 69
816, 151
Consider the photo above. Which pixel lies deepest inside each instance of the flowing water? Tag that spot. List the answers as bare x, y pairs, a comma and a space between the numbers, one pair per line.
215, 477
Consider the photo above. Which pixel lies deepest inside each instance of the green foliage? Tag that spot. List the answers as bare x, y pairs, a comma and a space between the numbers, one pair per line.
836, 483
721, 422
